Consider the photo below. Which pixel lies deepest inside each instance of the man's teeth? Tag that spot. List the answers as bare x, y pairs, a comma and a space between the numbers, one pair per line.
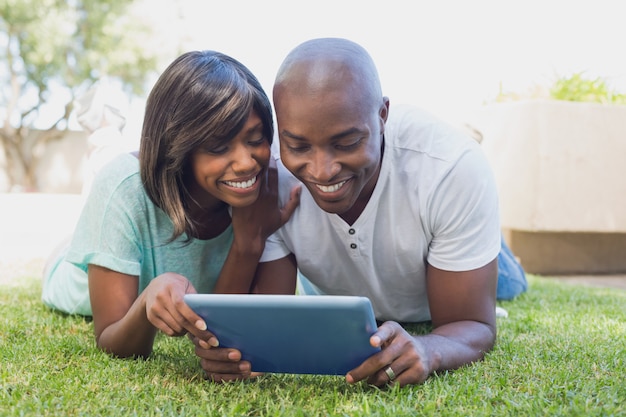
330, 188
242, 184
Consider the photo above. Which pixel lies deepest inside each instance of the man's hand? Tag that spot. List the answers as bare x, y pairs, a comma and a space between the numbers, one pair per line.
462, 306
403, 359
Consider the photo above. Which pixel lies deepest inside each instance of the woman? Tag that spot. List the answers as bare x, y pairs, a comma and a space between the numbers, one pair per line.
190, 214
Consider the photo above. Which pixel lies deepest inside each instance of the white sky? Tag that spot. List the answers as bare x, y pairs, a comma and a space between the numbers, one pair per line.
448, 56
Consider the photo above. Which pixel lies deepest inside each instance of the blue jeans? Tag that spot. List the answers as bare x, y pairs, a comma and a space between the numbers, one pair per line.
511, 276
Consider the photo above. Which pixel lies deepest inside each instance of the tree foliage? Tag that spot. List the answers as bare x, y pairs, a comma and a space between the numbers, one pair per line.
51, 52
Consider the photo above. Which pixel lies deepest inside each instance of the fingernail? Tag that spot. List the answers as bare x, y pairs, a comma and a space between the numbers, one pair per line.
200, 325
204, 345
214, 342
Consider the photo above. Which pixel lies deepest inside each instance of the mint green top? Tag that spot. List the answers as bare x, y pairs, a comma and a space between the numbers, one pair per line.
122, 230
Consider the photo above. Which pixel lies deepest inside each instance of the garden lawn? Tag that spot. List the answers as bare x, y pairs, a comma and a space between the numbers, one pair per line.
561, 351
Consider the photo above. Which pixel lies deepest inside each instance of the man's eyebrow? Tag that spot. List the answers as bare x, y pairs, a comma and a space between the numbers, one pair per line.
291, 135
337, 136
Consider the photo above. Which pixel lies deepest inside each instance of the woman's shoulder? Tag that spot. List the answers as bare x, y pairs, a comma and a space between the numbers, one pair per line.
120, 176
120, 169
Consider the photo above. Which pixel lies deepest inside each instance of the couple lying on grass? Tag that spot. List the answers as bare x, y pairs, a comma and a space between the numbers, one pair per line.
365, 199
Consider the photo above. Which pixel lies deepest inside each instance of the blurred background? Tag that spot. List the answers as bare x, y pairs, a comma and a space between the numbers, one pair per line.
447, 56
450, 57
66, 64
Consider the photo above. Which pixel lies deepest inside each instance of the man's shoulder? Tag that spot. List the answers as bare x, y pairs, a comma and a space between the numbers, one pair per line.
408, 114
415, 129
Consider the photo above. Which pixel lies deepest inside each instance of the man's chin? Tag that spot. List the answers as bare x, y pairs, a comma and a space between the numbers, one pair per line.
332, 207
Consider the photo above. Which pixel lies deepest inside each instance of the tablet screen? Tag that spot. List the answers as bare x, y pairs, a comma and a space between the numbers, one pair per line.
299, 334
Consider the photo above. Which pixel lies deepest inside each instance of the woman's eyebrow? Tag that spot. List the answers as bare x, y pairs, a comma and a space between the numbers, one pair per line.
255, 129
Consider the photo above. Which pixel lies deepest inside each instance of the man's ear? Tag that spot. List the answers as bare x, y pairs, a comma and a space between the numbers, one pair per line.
383, 113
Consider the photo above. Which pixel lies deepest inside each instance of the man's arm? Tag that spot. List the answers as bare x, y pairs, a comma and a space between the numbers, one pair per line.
276, 277
462, 306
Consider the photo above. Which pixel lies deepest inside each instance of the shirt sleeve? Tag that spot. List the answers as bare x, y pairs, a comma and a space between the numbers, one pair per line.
275, 248
106, 233
464, 217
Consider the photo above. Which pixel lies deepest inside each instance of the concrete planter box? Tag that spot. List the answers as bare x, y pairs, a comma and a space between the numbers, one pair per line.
561, 173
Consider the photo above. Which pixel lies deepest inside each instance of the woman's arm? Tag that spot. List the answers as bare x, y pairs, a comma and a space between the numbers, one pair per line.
120, 322
252, 225
126, 323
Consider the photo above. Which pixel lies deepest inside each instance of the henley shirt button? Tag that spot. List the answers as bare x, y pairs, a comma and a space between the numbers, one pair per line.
352, 231
353, 245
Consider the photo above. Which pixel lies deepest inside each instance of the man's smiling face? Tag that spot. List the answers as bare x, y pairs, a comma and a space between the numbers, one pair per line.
332, 143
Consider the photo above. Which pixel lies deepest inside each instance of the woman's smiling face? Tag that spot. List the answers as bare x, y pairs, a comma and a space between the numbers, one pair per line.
232, 173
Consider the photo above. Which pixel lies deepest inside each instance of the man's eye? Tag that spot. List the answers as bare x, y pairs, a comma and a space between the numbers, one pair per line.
348, 146
298, 149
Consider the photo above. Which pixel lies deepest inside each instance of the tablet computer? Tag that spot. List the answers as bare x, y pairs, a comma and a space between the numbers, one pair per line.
297, 334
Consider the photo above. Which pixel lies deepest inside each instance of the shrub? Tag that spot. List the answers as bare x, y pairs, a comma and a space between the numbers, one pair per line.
579, 88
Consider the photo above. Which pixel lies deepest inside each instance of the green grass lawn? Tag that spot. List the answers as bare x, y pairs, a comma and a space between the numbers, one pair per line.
561, 351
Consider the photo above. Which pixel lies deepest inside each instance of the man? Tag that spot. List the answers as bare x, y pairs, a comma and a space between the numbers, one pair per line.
396, 206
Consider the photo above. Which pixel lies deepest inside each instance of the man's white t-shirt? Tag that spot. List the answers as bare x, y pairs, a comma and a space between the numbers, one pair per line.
435, 202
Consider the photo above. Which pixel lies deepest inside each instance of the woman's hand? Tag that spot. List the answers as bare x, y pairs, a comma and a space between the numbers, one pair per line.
167, 310
222, 364
258, 221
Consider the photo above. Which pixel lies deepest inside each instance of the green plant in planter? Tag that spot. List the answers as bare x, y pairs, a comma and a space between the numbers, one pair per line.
579, 88
576, 87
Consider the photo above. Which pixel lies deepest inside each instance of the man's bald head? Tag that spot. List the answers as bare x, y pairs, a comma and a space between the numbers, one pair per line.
329, 64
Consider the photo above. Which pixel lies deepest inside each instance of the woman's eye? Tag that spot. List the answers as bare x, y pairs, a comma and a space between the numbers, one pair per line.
258, 142
217, 151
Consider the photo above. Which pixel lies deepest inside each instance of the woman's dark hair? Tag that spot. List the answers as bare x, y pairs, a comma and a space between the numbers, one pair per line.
201, 96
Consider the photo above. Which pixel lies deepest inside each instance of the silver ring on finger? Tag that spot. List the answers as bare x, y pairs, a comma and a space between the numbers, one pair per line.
390, 373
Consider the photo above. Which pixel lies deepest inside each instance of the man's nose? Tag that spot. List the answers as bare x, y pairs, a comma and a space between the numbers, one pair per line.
323, 166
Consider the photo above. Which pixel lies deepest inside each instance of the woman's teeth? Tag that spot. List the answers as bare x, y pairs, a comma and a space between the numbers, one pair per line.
242, 184
330, 188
